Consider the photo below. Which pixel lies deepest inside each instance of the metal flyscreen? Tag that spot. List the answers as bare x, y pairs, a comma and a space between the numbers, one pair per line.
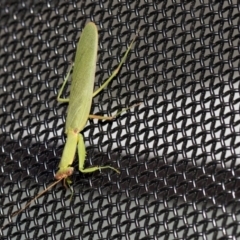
178, 152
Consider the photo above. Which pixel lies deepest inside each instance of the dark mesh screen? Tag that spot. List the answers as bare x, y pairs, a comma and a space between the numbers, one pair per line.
178, 152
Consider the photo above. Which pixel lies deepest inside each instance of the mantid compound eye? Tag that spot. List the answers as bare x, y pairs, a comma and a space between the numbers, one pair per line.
69, 171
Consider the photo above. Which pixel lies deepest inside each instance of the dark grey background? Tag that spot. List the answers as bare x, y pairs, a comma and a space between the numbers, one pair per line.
178, 152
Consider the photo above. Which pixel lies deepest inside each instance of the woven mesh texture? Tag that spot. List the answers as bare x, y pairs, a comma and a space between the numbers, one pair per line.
178, 152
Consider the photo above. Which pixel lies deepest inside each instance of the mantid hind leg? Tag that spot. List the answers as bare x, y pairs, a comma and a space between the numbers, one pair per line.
115, 72
59, 99
82, 157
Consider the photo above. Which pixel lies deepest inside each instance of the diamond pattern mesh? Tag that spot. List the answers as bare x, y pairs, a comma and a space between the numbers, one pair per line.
178, 152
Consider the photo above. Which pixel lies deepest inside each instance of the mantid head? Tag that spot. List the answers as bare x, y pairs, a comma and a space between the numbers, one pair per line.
64, 173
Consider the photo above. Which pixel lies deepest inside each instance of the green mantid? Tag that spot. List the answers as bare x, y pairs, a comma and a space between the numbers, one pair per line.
80, 101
